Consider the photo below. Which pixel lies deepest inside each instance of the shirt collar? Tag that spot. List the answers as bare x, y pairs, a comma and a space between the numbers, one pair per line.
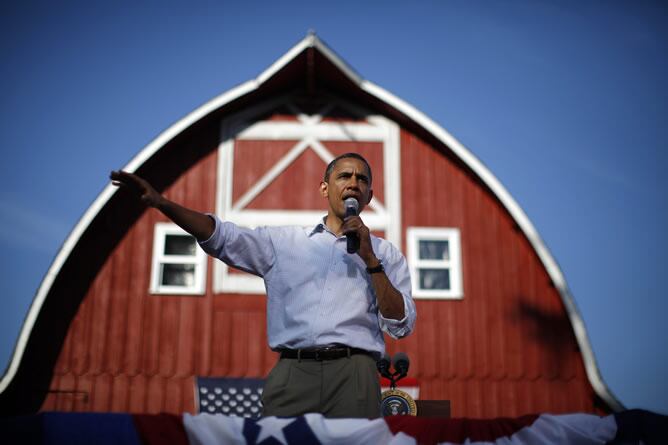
320, 227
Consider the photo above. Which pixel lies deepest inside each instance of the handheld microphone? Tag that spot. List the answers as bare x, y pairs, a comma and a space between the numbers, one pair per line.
401, 363
383, 366
352, 240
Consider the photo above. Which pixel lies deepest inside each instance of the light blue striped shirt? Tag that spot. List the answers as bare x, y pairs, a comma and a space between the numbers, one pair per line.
317, 293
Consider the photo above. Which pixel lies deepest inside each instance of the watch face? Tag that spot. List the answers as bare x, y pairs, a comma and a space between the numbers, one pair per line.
395, 402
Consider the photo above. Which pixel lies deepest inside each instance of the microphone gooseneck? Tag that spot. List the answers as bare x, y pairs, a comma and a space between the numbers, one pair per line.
352, 240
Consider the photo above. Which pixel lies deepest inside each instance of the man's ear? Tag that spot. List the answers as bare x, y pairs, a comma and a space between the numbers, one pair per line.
324, 191
370, 197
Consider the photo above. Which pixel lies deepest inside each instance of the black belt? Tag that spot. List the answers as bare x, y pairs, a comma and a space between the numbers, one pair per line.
326, 353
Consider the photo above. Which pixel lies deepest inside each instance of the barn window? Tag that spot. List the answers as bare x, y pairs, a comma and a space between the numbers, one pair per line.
434, 258
179, 265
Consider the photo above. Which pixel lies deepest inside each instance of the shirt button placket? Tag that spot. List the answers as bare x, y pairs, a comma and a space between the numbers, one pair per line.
327, 294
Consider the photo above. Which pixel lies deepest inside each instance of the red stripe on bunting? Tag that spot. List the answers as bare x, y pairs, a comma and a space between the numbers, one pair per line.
434, 430
159, 429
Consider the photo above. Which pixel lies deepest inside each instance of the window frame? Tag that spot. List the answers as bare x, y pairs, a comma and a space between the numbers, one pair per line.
451, 234
199, 260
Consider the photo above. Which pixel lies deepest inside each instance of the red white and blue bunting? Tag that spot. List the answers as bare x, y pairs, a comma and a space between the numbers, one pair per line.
634, 426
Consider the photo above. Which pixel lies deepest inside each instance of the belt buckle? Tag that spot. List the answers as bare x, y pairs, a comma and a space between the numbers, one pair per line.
322, 353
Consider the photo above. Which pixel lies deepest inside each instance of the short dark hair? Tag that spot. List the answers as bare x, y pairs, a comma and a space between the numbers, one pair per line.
330, 166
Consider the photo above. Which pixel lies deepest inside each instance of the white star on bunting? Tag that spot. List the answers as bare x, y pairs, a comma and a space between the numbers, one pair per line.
273, 427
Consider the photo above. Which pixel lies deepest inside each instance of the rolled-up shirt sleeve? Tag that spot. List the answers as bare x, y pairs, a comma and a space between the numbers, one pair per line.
250, 250
397, 272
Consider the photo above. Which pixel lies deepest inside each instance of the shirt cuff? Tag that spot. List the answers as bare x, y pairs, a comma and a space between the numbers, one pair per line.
395, 323
396, 328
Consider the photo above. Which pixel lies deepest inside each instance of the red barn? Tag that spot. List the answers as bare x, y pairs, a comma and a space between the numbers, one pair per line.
131, 312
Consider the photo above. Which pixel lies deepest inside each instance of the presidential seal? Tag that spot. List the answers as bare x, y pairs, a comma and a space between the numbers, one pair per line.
395, 402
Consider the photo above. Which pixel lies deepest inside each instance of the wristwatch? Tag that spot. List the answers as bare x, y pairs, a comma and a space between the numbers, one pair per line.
376, 269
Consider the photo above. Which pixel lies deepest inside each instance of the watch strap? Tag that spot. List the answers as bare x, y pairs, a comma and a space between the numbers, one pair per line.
376, 269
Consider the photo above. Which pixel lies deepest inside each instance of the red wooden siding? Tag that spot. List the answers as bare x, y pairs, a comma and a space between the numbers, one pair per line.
506, 349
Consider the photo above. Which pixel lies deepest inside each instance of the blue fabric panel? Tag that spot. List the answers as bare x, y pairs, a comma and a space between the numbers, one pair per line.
89, 428
21, 430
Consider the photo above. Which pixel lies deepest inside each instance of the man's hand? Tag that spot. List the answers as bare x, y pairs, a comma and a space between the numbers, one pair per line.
354, 225
138, 186
197, 224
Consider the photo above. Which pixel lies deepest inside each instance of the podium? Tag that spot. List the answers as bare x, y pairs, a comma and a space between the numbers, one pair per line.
433, 408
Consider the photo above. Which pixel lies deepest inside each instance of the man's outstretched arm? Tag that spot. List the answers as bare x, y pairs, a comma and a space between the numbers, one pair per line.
195, 223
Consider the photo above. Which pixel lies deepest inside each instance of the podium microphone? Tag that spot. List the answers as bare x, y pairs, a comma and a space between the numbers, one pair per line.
401, 363
383, 366
352, 240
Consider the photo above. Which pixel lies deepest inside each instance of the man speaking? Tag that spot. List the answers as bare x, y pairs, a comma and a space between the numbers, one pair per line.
331, 291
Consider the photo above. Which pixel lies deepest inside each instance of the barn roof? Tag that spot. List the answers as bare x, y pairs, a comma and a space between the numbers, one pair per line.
310, 64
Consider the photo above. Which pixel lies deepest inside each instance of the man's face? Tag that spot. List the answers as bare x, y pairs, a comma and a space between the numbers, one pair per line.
349, 178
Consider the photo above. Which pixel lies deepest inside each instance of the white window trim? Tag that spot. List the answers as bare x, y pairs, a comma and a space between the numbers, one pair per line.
308, 130
413, 236
199, 260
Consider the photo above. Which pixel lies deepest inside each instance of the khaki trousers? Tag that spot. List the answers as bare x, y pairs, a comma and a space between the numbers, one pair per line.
345, 387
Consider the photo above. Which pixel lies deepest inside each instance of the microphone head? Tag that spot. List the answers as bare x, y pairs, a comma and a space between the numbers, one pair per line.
401, 363
351, 205
383, 365
384, 361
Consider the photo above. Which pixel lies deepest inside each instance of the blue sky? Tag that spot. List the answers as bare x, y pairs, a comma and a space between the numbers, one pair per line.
566, 102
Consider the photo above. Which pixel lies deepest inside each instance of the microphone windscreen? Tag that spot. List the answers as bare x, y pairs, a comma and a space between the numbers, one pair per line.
383, 365
352, 206
401, 362
385, 358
